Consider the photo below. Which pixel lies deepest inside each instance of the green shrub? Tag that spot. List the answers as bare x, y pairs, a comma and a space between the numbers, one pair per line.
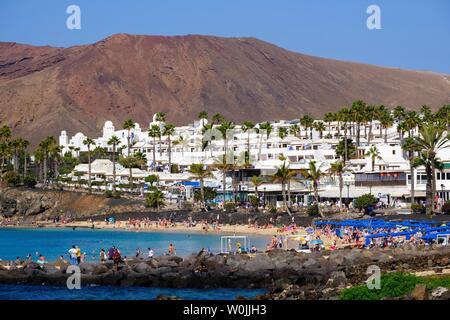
273, 209
365, 201
313, 210
29, 181
393, 285
11, 178
108, 194
229, 207
418, 208
254, 201
155, 199
396, 284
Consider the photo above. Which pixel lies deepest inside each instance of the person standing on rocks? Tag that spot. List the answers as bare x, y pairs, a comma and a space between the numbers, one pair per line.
73, 255
172, 251
78, 254
103, 256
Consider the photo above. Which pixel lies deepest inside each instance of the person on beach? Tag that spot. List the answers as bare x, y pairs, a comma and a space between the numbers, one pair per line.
117, 258
238, 247
171, 250
111, 252
150, 253
103, 256
73, 255
78, 254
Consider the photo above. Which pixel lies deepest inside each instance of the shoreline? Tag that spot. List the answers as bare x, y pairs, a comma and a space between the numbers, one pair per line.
224, 230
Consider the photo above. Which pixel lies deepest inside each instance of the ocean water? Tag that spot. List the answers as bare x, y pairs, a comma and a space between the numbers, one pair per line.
26, 292
53, 243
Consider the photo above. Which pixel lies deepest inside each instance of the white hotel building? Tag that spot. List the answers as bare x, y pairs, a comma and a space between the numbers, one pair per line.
389, 179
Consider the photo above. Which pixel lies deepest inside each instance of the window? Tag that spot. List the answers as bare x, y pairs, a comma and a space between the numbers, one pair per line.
393, 151
448, 175
438, 176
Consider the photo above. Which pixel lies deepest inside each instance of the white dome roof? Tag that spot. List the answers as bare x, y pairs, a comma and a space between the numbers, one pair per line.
79, 135
109, 124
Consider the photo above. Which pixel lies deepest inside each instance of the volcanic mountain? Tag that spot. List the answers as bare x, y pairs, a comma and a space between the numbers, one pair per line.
44, 90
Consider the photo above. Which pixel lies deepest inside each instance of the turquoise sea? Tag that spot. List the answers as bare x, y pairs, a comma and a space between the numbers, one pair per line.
53, 243
26, 292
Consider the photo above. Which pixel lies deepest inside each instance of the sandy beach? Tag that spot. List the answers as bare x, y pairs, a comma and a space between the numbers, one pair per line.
179, 227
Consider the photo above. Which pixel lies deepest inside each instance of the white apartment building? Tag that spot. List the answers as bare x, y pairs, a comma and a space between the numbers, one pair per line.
389, 178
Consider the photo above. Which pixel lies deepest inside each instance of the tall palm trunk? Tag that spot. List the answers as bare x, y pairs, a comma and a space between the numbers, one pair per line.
411, 170
341, 187
154, 154
202, 194
169, 153
289, 193
345, 145
129, 155
45, 167
429, 190
89, 171
25, 164
114, 168
316, 197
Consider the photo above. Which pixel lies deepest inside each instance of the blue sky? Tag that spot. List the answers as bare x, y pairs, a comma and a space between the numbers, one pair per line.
415, 34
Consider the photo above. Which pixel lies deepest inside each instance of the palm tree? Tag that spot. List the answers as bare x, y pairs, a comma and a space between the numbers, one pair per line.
154, 132
282, 176
295, 130
45, 146
155, 199
338, 169
217, 118
23, 145
257, 181
329, 117
386, 121
114, 142
264, 127
399, 113
314, 174
373, 154
89, 142
203, 115
319, 126
431, 140
168, 131
55, 155
5, 136
282, 133
128, 125
358, 114
182, 142
200, 173
307, 122
345, 117
411, 147
370, 116
224, 129
247, 127
160, 117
